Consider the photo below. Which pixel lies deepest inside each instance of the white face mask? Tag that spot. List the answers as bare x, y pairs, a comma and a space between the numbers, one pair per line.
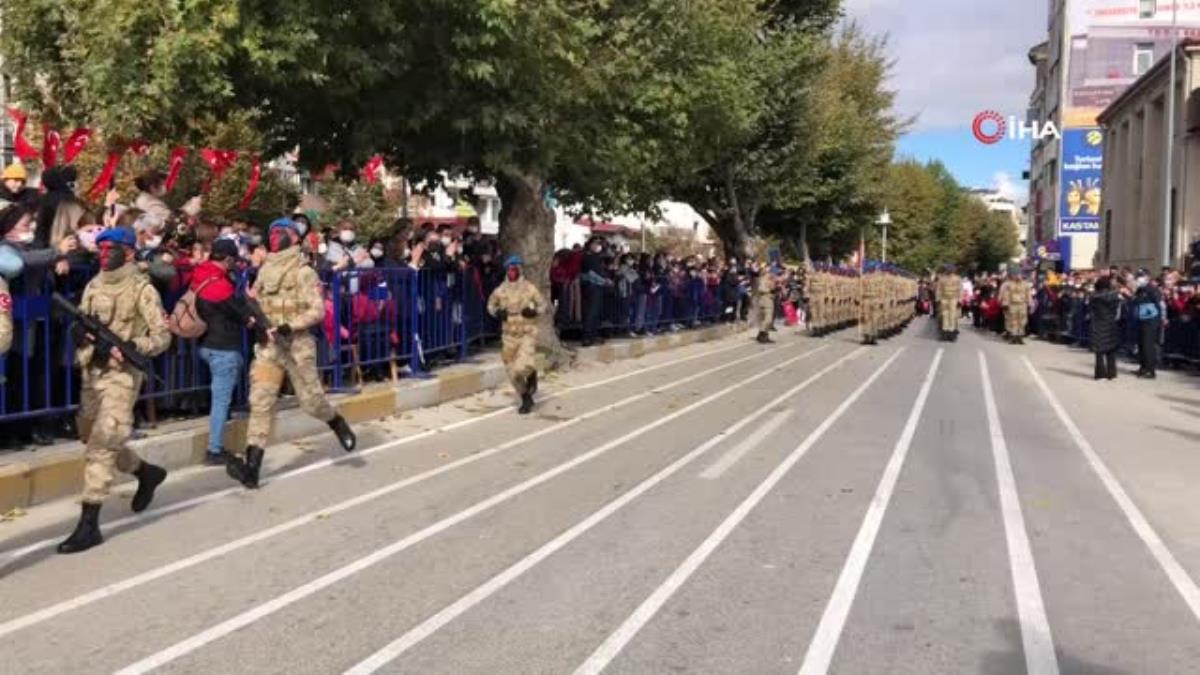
446, 241
153, 242
376, 252
1142, 282
26, 237
302, 227
322, 248
346, 236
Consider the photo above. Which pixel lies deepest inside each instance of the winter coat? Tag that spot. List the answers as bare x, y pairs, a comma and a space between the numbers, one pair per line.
219, 304
1105, 308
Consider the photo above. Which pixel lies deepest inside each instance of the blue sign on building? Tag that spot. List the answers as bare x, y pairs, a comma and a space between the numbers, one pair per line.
1082, 170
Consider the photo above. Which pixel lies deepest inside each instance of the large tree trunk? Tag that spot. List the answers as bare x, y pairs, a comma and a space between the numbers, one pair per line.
527, 230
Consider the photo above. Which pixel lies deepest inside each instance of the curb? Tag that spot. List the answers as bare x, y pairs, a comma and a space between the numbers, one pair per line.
55, 473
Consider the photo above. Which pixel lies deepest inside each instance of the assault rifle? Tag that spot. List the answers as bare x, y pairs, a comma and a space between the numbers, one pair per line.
105, 340
283, 334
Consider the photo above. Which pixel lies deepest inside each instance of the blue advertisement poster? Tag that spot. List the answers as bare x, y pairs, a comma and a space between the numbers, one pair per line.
1082, 169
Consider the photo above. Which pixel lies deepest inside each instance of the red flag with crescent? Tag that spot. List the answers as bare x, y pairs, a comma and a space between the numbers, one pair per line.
24, 150
51, 141
174, 166
76, 142
252, 188
105, 178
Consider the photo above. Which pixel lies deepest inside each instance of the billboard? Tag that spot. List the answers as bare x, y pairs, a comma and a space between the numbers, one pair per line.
1110, 43
1082, 163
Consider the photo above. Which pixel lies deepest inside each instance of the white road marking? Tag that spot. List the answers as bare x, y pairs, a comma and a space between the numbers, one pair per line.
833, 620
70, 604
731, 457
9, 557
253, 614
434, 623
1179, 577
621, 637
1040, 658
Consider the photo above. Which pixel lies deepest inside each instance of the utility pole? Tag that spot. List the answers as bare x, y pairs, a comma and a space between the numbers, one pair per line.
1169, 168
885, 219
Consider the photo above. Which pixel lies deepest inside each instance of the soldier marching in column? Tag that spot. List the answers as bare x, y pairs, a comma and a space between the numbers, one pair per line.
948, 295
1014, 299
887, 302
832, 299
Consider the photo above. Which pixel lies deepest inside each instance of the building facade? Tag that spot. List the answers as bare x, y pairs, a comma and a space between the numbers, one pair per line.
998, 203
1095, 50
1152, 211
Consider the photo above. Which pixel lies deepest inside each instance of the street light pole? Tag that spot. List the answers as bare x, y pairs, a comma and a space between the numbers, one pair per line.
885, 219
1169, 169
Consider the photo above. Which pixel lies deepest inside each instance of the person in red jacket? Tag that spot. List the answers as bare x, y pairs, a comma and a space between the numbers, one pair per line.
227, 314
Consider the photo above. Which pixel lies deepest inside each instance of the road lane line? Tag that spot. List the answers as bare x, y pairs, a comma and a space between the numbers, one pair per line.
833, 620
1179, 577
724, 462
434, 623
9, 557
621, 637
107, 591
1038, 641
253, 614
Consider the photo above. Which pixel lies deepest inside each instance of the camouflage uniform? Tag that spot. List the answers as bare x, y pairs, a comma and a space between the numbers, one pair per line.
816, 301
1014, 298
764, 303
949, 292
125, 302
289, 292
518, 347
6, 323
870, 308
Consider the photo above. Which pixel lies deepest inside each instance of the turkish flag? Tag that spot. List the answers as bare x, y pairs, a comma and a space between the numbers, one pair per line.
175, 166
76, 142
255, 175
51, 141
24, 150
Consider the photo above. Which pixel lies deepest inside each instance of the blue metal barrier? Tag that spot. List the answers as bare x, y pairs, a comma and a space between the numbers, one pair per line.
377, 322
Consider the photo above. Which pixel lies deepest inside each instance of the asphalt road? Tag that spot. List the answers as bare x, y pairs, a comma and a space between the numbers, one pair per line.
808, 507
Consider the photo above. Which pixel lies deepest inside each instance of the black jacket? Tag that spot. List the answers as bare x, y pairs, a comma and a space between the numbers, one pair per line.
1105, 308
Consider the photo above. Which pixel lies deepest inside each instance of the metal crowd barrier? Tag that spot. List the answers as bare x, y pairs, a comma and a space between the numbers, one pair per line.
378, 323
633, 308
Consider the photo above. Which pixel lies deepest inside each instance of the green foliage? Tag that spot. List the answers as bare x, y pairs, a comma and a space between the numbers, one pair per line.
368, 206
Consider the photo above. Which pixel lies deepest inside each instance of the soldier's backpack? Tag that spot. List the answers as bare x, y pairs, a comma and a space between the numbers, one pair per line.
185, 321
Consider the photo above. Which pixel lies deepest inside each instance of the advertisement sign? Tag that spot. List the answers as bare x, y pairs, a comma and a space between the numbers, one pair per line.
1110, 43
1082, 169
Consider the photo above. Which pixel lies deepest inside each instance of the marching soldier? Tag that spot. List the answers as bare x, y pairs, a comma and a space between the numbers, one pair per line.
289, 293
1014, 298
122, 299
869, 309
816, 291
948, 291
764, 303
516, 304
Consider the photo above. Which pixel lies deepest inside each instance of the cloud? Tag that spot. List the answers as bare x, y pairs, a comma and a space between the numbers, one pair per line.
1003, 183
955, 58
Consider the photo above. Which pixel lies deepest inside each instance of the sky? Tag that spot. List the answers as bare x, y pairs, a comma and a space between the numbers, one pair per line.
953, 60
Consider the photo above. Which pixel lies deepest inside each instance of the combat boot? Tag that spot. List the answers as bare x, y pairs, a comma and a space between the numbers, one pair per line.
246, 471
87, 532
764, 338
149, 478
344, 433
526, 404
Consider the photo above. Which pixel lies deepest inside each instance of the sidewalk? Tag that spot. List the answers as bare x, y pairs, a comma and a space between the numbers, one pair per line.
29, 478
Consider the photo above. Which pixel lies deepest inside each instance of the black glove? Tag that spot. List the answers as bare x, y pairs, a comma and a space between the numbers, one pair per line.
529, 313
501, 315
101, 353
284, 331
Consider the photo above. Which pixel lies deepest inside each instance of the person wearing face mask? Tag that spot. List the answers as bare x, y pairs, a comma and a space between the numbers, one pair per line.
516, 304
1150, 313
122, 299
289, 292
593, 280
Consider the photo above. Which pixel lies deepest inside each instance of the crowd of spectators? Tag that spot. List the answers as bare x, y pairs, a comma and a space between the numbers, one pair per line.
47, 244
1154, 318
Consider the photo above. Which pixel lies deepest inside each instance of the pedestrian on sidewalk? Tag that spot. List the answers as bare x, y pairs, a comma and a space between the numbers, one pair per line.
226, 314
1150, 312
1104, 307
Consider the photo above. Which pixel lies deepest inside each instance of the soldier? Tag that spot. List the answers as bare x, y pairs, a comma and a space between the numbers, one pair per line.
948, 291
516, 304
764, 303
289, 293
122, 299
816, 301
1014, 298
868, 309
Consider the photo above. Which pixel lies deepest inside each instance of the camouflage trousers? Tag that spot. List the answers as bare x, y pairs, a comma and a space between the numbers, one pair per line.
271, 363
764, 312
105, 423
948, 316
519, 352
1015, 321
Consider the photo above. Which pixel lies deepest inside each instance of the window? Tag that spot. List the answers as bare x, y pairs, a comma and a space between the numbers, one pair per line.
1143, 57
1146, 9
